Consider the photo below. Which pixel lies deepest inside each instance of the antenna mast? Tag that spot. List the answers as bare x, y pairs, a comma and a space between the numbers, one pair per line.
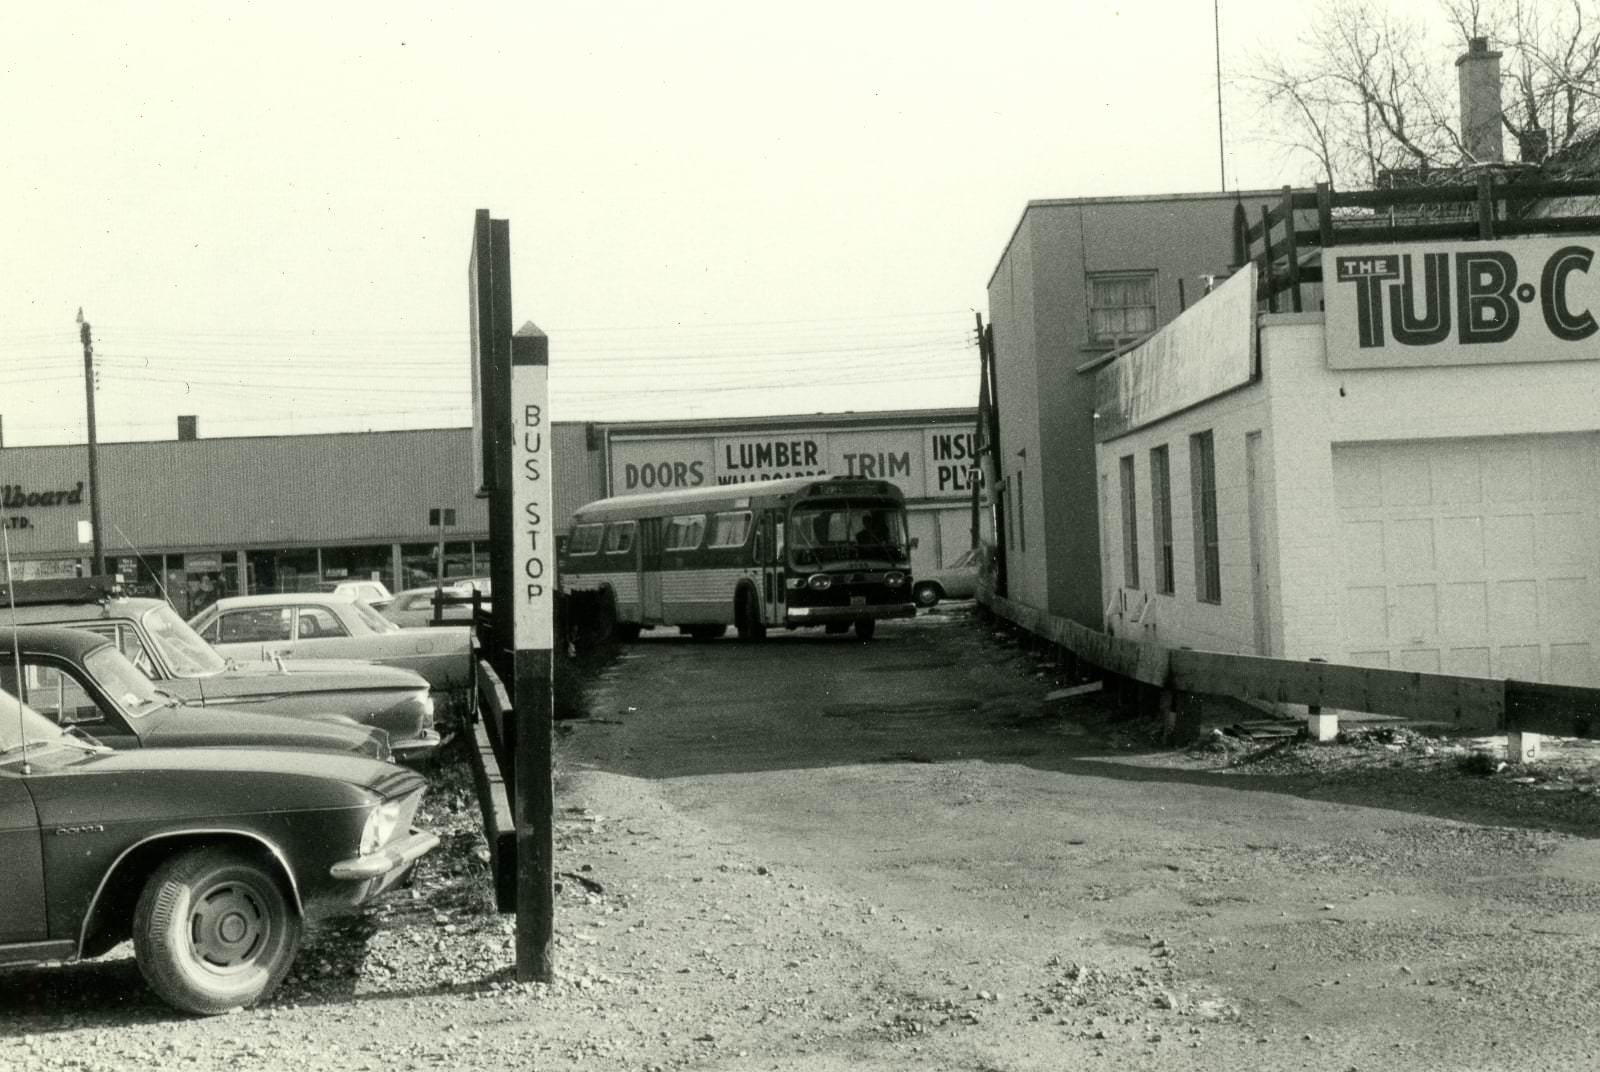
1222, 153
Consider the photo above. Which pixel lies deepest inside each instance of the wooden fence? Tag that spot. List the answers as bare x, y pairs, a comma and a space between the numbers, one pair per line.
1466, 703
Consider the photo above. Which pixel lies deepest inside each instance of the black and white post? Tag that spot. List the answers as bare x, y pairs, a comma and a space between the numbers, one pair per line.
534, 633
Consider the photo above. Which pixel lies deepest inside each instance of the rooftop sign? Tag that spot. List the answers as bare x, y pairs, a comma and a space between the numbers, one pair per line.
1461, 303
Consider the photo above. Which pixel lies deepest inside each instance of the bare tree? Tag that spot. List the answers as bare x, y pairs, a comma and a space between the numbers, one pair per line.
1370, 92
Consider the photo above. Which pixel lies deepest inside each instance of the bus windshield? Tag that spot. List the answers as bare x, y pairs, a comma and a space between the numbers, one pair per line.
825, 531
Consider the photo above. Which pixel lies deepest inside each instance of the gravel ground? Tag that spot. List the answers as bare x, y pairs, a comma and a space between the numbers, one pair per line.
929, 870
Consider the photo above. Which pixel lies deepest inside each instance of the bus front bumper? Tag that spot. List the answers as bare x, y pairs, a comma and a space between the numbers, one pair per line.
823, 615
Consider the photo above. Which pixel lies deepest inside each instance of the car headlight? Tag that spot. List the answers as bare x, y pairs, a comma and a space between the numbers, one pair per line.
380, 826
894, 580
819, 582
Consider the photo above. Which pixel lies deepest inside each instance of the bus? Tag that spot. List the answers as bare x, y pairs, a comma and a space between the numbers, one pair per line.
805, 551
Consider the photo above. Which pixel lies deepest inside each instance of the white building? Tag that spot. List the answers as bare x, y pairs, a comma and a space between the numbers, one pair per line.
1409, 478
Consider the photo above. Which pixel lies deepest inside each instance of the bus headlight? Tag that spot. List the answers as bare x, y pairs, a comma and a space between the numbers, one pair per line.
894, 579
819, 582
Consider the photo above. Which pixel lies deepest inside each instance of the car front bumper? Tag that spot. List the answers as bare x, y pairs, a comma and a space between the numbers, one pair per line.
419, 749
381, 870
823, 615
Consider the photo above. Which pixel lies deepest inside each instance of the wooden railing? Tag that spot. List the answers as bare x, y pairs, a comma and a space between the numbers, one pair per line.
1285, 238
1466, 703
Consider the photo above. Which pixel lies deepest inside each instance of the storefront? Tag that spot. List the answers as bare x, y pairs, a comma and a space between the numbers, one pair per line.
196, 520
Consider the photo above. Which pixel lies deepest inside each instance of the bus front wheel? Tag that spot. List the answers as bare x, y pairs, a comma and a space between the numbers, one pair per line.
865, 627
747, 617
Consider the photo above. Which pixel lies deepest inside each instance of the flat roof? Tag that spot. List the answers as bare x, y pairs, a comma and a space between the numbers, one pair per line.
1124, 199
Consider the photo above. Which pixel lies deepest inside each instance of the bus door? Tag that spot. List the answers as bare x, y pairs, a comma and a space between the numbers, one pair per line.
650, 570
769, 557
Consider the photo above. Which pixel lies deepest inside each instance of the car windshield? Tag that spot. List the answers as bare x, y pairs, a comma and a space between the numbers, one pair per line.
835, 530
124, 682
185, 652
373, 620
19, 722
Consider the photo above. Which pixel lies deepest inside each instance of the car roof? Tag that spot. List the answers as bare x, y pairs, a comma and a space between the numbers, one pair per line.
122, 606
53, 639
279, 599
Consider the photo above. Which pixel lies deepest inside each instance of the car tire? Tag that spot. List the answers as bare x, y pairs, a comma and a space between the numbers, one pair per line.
747, 617
214, 931
927, 594
866, 628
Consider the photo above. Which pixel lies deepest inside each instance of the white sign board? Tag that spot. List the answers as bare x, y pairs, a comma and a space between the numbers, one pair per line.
926, 462
534, 549
1208, 350
1461, 303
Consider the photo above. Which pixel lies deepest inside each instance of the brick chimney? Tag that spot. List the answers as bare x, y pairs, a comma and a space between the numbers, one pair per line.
188, 428
1478, 71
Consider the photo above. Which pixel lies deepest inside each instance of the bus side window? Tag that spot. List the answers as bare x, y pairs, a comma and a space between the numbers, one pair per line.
777, 550
760, 545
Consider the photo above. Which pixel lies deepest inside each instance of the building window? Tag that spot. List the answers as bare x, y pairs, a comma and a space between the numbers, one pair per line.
1203, 491
1122, 307
1161, 518
1130, 525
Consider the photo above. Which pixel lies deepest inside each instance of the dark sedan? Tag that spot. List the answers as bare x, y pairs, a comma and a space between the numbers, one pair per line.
208, 859
82, 681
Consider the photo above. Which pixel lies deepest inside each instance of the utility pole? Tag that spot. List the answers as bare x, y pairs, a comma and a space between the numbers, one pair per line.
97, 562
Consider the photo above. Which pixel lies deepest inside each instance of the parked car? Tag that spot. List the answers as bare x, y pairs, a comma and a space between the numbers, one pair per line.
959, 580
208, 859
322, 625
375, 593
171, 654
413, 607
82, 681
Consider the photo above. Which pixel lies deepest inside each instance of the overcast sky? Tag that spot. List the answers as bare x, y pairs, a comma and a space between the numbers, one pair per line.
265, 210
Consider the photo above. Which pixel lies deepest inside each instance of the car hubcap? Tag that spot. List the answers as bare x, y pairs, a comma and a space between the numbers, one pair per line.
228, 926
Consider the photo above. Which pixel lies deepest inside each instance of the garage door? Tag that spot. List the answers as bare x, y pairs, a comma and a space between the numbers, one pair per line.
1472, 556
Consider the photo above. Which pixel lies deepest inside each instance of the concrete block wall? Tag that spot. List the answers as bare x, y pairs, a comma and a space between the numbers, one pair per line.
1304, 530
1181, 619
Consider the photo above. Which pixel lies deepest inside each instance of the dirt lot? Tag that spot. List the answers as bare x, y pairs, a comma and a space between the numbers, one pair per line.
820, 854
